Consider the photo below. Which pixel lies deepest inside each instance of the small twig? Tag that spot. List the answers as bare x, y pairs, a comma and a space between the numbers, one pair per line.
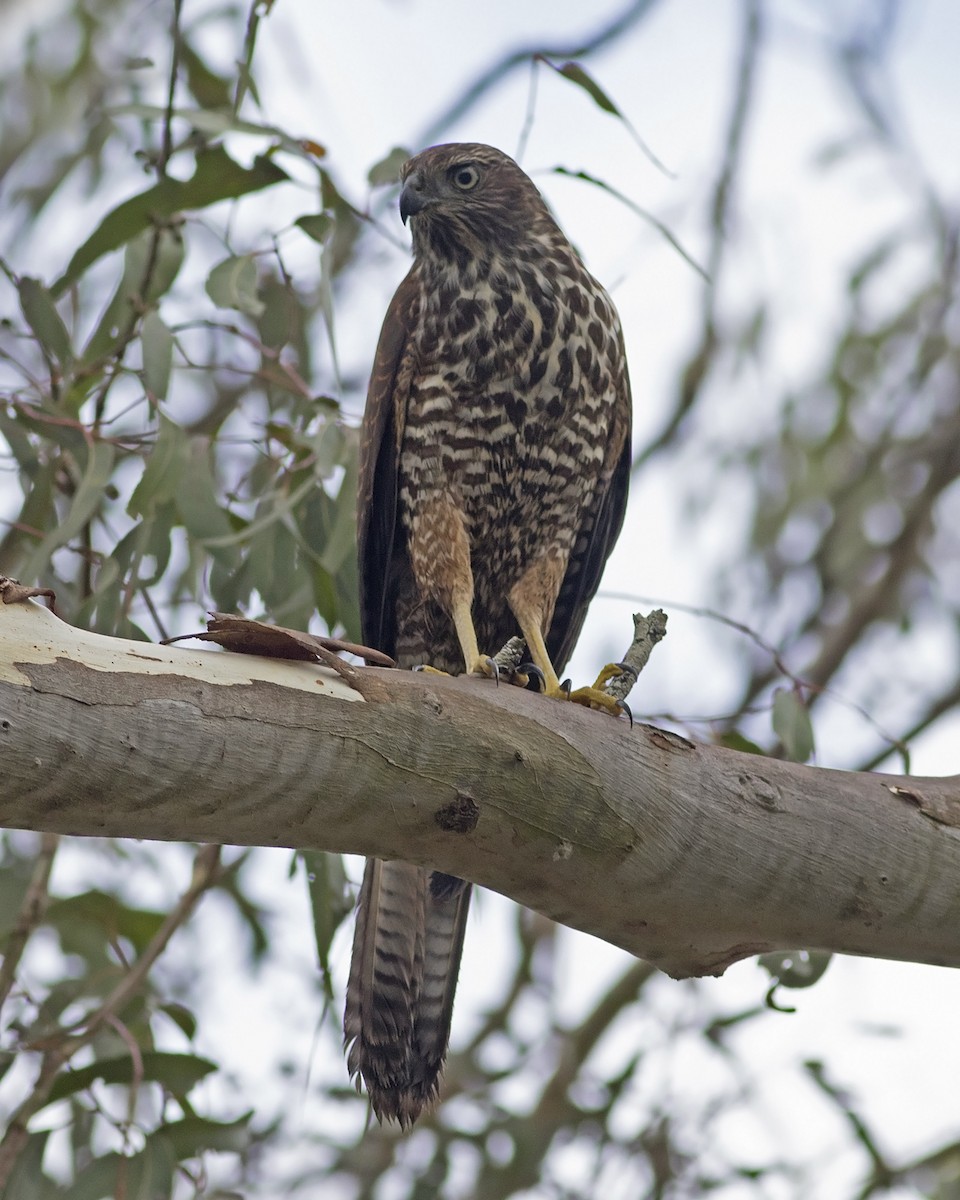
166, 148
30, 915
511, 655
647, 631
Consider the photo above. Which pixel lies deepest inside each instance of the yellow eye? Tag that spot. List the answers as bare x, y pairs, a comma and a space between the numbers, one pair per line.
465, 177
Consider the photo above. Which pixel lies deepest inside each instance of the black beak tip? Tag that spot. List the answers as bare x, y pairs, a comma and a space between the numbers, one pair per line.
412, 198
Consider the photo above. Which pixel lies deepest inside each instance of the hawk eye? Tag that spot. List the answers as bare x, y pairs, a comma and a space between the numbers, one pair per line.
466, 177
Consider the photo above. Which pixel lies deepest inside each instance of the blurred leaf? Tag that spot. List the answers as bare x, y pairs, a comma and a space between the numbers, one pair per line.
160, 481
148, 1175
330, 903
15, 874
157, 344
733, 740
576, 74
387, 170
87, 499
209, 89
108, 914
151, 263
283, 323
42, 317
99, 1179
641, 212
250, 912
282, 502
217, 177
233, 284
178, 1073
342, 537
315, 225
22, 448
182, 1017
27, 1181
792, 725
339, 246
199, 505
795, 968
194, 1135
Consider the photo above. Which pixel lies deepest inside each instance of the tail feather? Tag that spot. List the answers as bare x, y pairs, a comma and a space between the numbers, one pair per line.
403, 975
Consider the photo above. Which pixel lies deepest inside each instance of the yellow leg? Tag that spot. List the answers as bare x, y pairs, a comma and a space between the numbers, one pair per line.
528, 604
475, 662
538, 652
440, 558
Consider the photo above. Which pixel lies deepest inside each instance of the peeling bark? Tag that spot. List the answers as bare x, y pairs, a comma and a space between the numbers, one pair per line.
689, 856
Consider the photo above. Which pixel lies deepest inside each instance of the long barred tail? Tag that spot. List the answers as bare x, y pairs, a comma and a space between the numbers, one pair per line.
406, 957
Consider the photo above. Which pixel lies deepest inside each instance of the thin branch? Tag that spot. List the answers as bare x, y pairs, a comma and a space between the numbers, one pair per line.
57, 1055
30, 915
575, 48
703, 357
176, 38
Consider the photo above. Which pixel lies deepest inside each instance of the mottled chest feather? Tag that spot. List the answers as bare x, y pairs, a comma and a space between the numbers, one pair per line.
515, 370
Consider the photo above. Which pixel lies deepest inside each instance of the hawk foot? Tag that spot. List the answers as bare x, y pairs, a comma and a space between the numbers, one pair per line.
486, 667
480, 666
489, 668
596, 696
505, 672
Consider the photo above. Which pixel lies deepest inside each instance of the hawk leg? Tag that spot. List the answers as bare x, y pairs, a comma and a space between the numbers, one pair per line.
440, 557
532, 601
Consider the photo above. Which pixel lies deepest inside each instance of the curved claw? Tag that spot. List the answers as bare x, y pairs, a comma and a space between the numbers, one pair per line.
485, 667
532, 673
565, 689
624, 707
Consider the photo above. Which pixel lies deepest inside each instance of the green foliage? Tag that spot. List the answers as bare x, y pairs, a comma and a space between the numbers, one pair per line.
171, 451
170, 407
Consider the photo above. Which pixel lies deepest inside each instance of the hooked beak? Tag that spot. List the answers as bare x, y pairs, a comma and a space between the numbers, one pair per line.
413, 197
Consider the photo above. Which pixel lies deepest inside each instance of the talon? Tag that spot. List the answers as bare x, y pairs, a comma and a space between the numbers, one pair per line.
593, 697
531, 674
613, 671
428, 670
486, 668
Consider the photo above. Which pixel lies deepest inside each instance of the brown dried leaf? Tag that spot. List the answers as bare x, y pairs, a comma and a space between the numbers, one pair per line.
12, 591
245, 636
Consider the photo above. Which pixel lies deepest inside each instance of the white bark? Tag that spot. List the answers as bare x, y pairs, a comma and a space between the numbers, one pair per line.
690, 856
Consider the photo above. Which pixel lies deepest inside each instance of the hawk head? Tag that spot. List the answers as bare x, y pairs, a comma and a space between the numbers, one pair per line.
464, 198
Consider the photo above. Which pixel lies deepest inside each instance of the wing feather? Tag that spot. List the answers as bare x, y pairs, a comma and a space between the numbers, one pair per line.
378, 529
600, 524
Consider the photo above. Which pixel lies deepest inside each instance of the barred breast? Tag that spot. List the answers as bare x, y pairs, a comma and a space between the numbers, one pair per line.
510, 410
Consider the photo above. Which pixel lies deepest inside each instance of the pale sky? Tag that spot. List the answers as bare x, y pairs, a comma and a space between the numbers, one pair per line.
365, 77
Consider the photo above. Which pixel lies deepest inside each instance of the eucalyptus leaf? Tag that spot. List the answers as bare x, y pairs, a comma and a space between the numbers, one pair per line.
157, 343
178, 1073
216, 177
792, 724
233, 284
42, 317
